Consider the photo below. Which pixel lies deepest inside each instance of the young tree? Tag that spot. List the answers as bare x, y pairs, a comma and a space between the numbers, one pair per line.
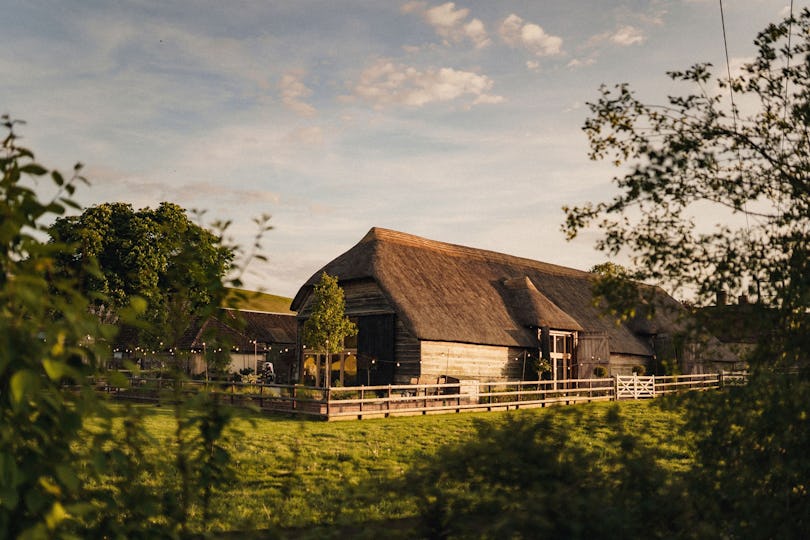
327, 325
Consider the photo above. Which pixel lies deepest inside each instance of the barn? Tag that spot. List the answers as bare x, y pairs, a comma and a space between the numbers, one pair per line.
429, 311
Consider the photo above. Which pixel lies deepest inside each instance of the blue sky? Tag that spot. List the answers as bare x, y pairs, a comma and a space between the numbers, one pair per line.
460, 122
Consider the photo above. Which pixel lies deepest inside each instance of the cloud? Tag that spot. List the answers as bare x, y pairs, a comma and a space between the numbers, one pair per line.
388, 83
624, 36
292, 92
628, 35
518, 33
450, 23
578, 63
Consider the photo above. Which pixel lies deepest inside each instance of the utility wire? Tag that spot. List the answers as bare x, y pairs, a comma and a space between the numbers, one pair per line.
733, 107
728, 68
734, 125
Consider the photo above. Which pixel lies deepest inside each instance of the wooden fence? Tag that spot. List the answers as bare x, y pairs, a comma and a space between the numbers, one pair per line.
339, 403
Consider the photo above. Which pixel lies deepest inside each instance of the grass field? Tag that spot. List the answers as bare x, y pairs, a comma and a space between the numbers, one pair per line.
308, 479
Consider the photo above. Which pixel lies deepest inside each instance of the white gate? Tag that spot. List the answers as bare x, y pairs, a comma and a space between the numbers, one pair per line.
635, 387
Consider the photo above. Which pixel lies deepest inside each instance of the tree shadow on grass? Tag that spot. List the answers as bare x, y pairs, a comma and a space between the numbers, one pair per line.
543, 477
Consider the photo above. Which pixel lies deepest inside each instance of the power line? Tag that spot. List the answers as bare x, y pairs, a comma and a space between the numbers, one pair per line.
728, 68
733, 111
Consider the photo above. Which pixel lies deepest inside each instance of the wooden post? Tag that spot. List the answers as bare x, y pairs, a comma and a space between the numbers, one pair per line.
615, 388
425, 393
388, 401
328, 400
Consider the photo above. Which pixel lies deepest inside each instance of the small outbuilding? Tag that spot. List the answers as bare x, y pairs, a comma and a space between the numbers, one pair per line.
429, 311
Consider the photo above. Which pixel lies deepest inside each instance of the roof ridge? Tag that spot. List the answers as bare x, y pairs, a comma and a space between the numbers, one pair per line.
390, 235
259, 311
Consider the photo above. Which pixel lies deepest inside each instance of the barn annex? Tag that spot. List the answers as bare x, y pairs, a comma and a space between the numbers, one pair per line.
428, 311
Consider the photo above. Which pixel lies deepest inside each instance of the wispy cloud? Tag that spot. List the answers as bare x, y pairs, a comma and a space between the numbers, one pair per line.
450, 22
628, 35
623, 36
386, 83
581, 62
518, 33
293, 91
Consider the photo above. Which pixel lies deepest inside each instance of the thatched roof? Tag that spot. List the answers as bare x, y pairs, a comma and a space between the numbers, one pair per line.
446, 292
239, 329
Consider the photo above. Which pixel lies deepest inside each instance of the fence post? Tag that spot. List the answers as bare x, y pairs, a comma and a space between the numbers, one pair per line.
294, 397
720, 380
388, 401
615, 388
362, 397
328, 396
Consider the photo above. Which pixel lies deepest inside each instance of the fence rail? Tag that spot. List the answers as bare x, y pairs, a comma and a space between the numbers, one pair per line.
360, 402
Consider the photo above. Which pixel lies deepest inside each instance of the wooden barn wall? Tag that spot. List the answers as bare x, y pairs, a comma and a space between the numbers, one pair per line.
364, 298
375, 347
517, 368
407, 352
467, 361
622, 364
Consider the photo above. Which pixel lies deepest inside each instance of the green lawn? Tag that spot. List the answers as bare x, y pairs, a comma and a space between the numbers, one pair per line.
316, 479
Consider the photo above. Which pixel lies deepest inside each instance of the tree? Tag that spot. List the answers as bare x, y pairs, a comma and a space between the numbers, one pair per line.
737, 150
159, 255
327, 325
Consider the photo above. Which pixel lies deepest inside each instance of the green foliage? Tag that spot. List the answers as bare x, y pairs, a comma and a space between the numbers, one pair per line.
327, 325
47, 338
600, 371
616, 290
697, 155
159, 255
752, 469
70, 466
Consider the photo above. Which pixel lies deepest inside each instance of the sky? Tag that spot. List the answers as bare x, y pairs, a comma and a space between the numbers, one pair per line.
457, 121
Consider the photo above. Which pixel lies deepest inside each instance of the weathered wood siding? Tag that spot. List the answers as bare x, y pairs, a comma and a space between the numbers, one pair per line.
466, 361
364, 298
593, 349
407, 352
622, 364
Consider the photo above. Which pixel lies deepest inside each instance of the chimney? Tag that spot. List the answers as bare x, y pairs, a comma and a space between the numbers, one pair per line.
743, 299
722, 297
